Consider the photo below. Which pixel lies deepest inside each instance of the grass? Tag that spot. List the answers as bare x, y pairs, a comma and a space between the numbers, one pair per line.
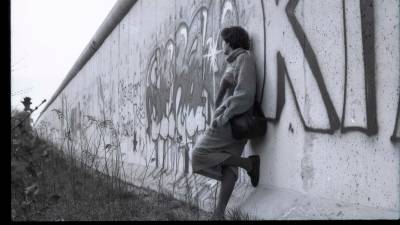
46, 186
55, 195
236, 214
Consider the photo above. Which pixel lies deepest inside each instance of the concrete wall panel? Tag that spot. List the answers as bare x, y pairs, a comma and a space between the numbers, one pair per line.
331, 95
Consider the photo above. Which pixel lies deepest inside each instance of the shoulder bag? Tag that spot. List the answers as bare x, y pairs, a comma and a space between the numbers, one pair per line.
252, 123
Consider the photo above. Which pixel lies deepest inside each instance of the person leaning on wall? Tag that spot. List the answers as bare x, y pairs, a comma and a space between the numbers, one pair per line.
217, 154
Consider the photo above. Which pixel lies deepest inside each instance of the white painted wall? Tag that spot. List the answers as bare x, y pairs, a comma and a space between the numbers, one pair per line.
155, 78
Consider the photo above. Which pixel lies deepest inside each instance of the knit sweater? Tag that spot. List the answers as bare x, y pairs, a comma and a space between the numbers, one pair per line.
237, 88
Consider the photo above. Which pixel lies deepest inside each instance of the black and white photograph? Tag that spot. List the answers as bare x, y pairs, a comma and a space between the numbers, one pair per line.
205, 110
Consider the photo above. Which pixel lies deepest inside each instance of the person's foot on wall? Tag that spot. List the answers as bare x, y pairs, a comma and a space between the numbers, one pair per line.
255, 171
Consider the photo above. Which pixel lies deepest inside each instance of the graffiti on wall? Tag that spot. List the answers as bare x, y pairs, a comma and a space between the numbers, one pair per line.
171, 102
316, 71
179, 97
365, 8
181, 77
163, 105
368, 47
179, 74
396, 131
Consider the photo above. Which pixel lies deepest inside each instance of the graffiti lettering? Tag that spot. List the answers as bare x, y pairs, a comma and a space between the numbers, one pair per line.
368, 69
311, 58
396, 132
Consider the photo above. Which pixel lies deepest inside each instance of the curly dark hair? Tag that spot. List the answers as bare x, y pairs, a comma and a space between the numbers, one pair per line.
236, 37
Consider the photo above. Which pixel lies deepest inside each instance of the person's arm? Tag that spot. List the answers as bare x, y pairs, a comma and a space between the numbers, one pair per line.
221, 92
220, 108
226, 82
244, 93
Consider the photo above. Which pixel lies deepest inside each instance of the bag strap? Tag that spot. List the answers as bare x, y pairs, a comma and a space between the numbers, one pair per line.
262, 90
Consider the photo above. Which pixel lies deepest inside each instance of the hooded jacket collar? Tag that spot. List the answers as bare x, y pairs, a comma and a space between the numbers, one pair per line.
234, 54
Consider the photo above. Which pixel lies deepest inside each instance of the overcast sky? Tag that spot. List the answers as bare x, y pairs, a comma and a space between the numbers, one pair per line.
47, 37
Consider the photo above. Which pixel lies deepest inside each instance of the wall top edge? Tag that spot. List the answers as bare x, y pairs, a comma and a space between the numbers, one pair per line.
114, 17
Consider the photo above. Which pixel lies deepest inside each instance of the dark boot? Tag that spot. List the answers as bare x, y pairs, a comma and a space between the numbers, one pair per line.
255, 172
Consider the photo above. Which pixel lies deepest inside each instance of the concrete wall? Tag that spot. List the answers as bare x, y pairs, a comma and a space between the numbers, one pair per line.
331, 96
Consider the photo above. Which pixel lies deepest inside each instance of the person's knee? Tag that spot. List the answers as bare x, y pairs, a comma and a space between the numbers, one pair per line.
227, 173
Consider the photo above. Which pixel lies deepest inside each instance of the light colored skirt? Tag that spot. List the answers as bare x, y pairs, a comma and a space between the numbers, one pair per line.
212, 148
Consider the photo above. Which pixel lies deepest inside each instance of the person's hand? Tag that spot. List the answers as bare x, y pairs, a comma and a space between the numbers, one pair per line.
214, 124
219, 121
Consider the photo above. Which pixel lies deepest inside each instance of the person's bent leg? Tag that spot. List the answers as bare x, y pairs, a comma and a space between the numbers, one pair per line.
236, 161
227, 184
